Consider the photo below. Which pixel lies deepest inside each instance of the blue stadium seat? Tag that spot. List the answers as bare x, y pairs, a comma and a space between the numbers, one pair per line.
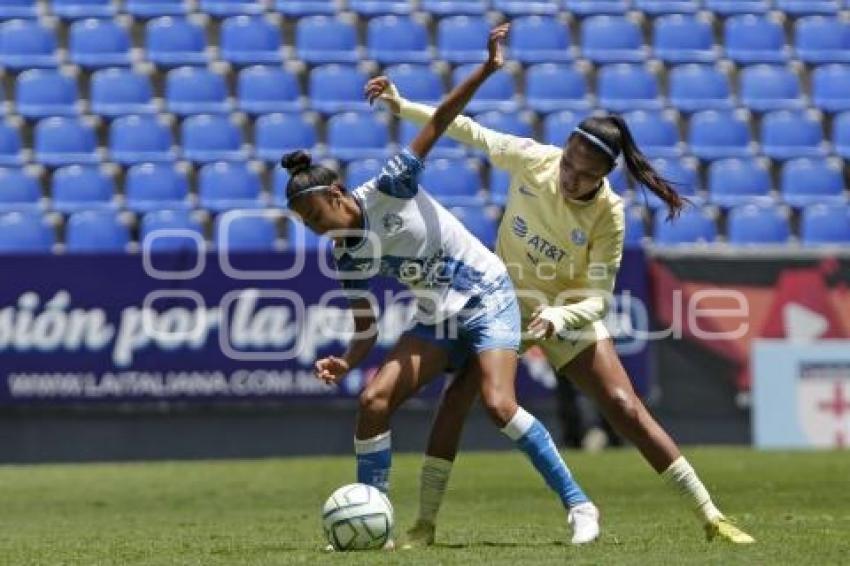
771, 87
526, 7
250, 40
538, 39
755, 39
825, 224
262, 89
26, 44
807, 181
358, 135
22, 232
116, 91
226, 185
699, 87
612, 39
454, 7
559, 126
307, 240
243, 233
830, 85
46, 92
694, 225
478, 221
95, 44
379, 7
337, 88
226, 8
139, 139
11, 145
841, 134
620, 179
463, 39
394, 39
12, 9
65, 141
681, 38
171, 42
82, 187
730, 7
444, 148
682, 173
211, 137
821, 39
758, 225
280, 178
276, 134
498, 93
156, 186
78, 9
551, 87
453, 182
655, 7
656, 133
808, 7
733, 181
97, 231
361, 171
417, 82
19, 190
195, 90
170, 231
500, 186
595, 7
786, 134
635, 227
324, 39
156, 8
714, 134
624, 87
298, 8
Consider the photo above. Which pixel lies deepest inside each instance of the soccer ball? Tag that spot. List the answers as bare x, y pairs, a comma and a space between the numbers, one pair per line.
357, 517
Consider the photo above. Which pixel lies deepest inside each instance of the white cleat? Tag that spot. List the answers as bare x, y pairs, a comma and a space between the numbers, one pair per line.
584, 519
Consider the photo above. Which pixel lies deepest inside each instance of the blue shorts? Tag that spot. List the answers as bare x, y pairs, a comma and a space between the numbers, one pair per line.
488, 321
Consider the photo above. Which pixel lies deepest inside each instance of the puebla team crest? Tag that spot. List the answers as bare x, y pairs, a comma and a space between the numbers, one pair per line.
392, 223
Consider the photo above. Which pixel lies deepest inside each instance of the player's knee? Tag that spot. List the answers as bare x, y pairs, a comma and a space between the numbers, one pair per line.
374, 402
500, 406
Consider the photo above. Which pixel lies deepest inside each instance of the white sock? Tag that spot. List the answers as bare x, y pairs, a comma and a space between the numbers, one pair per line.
518, 425
433, 480
684, 480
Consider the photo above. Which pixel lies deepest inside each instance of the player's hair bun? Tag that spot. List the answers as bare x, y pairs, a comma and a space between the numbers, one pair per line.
296, 161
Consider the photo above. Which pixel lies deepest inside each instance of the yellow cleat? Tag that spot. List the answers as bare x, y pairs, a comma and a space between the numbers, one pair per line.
420, 535
724, 530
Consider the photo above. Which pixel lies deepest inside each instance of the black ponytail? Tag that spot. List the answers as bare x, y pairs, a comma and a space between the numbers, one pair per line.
303, 174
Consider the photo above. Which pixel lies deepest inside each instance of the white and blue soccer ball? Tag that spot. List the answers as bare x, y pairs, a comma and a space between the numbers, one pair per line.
357, 517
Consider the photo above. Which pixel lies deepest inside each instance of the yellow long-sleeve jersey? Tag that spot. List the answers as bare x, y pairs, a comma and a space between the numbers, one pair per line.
559, 252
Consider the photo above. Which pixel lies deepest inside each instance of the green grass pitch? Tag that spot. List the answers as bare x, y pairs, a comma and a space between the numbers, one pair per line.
797, 505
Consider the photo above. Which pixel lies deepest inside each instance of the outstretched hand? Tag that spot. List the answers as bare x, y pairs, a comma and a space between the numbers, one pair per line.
331, 369
496, 46
381, 88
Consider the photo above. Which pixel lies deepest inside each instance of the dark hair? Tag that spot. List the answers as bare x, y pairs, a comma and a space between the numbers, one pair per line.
303, 174
615, 134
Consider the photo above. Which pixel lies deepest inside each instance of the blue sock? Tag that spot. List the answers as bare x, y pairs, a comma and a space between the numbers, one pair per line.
532, 438
374, 459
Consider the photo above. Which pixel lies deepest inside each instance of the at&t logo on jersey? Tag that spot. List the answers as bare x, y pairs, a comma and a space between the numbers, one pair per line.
520, 227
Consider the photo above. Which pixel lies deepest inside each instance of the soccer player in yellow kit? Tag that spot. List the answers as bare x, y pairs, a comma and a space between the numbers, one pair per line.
561, 238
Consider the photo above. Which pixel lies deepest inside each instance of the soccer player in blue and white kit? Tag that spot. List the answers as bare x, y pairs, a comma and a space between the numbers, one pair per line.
467, 314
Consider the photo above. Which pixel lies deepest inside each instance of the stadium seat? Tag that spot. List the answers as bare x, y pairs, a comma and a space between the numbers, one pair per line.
683, 175
228, 185
714, 134
612, 39
830, 87
500, 186
806, 181
170, 231
246, 233
19, 190
417, 83
40, 93
247, 40
156, 186
210, 137
680, 38
786, 134
65, 141
11, 145
22, 232
656, 133
552, 87
195, 90
444, 148
276, 134
361, 171
808, 7
694, 225
619, 179
82, 187
624, 87
226, 8
156, 8
298, 8
358, 135
27, 44
758, 225
463, 39
454, 7
96, 231
825, 224
13, 9
337, 88
172, 42
771, 87
370, 8
822, 39
325, 39
95, 44
280, 178
263, 89
139, 139
595, 7
733, 181
116, 91
655, 7
514, 8
841, 134
299, 235
394, 39
559, 126
497, 93
731, 7
538, 39
478, 221
635, 227
78, 9
755, 39
699, 87
453, 182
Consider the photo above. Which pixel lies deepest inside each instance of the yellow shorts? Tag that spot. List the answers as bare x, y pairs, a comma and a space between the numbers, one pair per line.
561, 350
